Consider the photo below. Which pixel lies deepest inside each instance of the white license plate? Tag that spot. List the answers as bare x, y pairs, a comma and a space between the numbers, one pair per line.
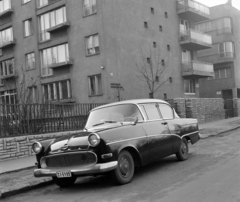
63, 174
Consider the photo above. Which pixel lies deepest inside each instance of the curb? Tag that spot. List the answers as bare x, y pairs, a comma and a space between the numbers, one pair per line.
25, 187
16, 170
207, 135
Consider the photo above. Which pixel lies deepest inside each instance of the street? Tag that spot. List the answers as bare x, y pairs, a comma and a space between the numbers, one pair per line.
210, 174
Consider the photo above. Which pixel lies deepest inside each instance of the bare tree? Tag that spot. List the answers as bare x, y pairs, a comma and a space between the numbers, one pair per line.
153, 70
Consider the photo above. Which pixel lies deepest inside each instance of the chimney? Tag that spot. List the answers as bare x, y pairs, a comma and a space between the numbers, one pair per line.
229, 2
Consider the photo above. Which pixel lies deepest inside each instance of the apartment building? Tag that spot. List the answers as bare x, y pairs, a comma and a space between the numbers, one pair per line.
87, 50
224, 29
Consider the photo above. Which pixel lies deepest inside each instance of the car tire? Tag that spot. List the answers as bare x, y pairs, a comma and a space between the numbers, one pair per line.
64, 182
182, 154
124, 172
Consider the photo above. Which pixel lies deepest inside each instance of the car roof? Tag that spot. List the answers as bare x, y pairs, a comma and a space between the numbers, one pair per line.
134, 101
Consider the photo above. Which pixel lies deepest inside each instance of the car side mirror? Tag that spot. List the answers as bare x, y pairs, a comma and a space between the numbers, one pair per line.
135, 121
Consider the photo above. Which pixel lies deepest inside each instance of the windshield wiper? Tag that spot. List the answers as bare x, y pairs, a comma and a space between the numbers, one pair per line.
104, 123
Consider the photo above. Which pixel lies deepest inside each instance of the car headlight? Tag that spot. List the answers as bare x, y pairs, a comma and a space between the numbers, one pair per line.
93, 139
37, 147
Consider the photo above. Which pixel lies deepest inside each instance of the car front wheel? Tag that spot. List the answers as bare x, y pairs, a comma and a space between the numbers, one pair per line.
64, 182
182, 154
124, 172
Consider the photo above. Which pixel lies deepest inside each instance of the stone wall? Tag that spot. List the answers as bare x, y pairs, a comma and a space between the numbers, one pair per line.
19, 147
203, 109
236, 107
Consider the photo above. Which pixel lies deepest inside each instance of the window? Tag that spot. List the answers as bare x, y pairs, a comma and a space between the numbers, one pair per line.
32, 95
166, 15
49, 20
163, 62
25, 1
152, 112
89, 7
166, 111
30, 61
154, 44
152, 10
157, 78
226, 50
189, 86
92, 45
42, 3
27, 24
53, 55
184, 26
222, 73
145, 24
57, 91
160, 28
5, 5
95, 85
8, 97
6, 36
168, 47
7, 67
148, 60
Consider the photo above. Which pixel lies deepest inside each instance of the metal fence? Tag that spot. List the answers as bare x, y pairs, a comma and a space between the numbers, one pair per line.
29, 119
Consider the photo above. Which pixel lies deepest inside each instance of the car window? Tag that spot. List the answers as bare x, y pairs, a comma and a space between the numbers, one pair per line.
166, 111
117, 113
151, 111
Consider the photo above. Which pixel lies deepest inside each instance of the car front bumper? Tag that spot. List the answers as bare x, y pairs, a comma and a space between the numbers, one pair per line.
98, 168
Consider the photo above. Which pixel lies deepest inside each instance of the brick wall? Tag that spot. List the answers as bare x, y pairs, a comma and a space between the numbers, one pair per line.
203, 109
18, 147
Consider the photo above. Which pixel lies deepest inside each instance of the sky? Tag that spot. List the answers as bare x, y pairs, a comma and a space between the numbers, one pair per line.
236, 3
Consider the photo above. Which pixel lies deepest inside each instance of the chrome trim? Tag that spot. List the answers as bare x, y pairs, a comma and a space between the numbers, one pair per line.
189, 134
98, 137
43, 159
98, 168
105, 156
108, 143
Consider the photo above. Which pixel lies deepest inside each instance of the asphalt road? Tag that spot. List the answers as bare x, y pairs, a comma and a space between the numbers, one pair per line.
212, 173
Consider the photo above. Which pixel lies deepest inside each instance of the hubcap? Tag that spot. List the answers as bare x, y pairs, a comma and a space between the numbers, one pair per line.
125, 166
184, 149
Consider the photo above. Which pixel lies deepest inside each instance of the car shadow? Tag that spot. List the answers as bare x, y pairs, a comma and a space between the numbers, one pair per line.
105, 181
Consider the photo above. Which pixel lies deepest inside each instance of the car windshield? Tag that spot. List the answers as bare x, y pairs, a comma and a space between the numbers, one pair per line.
113, 114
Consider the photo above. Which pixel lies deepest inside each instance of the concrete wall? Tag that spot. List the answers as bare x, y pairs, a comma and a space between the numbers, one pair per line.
203, 109
19, 147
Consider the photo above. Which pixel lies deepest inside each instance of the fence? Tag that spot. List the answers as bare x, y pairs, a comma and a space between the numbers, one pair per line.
29, 119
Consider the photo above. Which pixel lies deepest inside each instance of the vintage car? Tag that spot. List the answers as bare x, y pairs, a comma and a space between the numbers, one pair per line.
118, 138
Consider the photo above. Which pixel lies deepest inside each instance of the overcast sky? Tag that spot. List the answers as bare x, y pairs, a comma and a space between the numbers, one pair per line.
236, 3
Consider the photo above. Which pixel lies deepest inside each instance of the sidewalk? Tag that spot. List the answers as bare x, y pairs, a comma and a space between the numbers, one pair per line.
16, 176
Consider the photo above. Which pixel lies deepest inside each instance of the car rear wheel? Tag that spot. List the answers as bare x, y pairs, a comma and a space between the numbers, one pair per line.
182, 154
64, 182
124, 172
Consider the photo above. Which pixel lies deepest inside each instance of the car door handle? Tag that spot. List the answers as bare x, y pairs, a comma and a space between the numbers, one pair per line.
164, 123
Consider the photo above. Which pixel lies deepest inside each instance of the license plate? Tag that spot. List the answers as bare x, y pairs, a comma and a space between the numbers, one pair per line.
63, 174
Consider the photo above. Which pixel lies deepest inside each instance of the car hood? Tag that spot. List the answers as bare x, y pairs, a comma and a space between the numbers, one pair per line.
79, 141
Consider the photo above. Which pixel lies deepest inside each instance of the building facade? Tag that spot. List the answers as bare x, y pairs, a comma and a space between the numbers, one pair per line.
89, 50
224, 29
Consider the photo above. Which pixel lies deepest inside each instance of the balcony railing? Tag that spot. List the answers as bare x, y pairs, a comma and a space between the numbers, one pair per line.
6, 12
58, 27
195, 11
6, 43
218, 57
197, 69
194, 39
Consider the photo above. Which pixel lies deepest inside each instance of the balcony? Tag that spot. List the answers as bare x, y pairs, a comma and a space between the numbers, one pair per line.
224, 57
7, 43
9, 76
55, 65
195, 40
197, 69
6, 12
61, 26
192, 11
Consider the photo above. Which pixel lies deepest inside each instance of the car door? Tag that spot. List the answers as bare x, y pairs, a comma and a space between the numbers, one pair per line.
169, 116
159, 140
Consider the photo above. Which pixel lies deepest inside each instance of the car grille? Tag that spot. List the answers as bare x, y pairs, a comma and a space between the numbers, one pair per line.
71, 159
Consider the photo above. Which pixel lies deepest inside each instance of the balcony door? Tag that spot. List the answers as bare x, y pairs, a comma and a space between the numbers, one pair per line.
184, 26
186, 56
